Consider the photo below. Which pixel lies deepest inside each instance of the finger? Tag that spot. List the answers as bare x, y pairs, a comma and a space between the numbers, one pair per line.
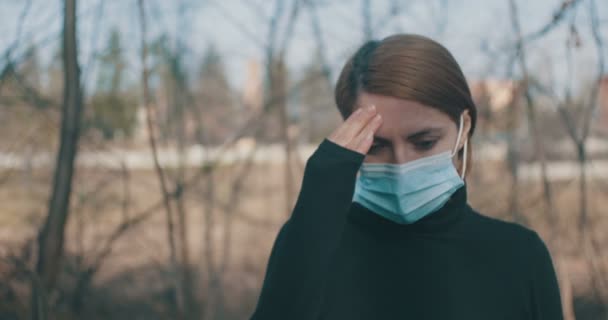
354, 124
339, 135
363, 141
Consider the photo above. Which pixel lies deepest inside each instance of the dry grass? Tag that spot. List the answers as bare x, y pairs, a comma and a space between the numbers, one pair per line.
133, 279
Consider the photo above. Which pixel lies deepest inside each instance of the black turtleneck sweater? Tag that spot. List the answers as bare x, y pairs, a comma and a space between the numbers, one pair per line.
335, 259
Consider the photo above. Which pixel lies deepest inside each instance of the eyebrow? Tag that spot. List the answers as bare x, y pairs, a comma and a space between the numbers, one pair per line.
414, 136
424, 132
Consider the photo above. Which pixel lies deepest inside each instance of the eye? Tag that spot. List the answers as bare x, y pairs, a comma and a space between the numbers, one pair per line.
425, 145
375, 148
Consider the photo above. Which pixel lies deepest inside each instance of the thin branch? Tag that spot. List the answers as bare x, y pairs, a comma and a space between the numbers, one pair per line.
272, 33
293, 17
246, 30
321, 48
96, 21
601, 66
159, 171
558, 16
395, 9
531, 112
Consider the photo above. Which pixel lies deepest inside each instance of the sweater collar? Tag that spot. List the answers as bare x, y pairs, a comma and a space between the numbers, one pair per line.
441, 220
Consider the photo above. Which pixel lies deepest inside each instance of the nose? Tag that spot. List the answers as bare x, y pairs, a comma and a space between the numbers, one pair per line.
401, 154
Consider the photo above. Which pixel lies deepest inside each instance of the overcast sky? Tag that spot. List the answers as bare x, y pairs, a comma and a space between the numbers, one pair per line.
239, 29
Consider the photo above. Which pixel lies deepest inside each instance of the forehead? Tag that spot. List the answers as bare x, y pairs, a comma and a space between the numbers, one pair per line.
404, 116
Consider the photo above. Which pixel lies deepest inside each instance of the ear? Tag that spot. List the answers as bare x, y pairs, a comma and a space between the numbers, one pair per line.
466, 122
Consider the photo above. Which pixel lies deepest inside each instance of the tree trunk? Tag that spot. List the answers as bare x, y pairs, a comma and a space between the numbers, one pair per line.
552, 215
173, 262
182, 215
582, 161
278, 78
209, 247
51, 236
592, 250
565, 286
512, 159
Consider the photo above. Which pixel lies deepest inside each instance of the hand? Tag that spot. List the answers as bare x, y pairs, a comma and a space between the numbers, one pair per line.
357, 131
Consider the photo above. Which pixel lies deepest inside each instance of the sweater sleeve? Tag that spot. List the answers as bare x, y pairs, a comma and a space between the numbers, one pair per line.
302, 251
545, 289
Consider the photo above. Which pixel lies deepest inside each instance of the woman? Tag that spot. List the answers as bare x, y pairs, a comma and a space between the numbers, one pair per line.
381, 228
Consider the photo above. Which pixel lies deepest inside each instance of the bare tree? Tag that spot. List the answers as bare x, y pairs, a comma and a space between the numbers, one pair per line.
277, 85
530, 109
316, 29
181, 96
579, 136
51, 236
551, 213
173, 262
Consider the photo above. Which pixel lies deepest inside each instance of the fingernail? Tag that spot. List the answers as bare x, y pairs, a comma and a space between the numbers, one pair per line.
377, 117
371, 108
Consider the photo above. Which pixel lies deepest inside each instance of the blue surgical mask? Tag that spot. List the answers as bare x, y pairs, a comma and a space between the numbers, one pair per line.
405, 193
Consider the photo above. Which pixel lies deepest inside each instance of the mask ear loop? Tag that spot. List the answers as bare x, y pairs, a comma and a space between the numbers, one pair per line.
464, 159
466, 144
458, 138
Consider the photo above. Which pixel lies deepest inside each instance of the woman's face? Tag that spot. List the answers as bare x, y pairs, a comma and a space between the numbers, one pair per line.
411, 130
